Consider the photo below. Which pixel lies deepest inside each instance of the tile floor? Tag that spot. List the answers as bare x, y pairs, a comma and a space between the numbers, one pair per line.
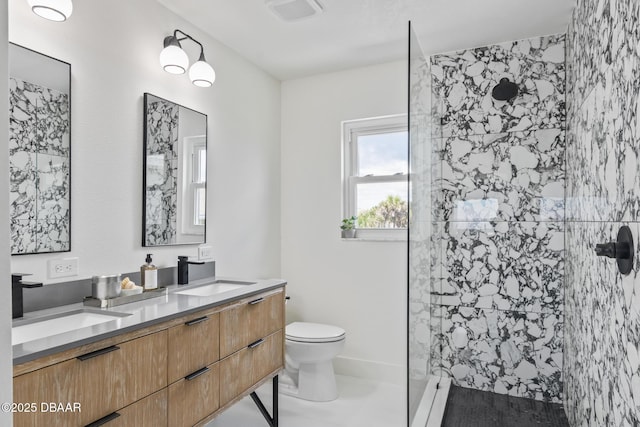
475, 408
362, 403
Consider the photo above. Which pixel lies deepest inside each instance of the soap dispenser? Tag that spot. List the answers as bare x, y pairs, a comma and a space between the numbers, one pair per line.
149, 275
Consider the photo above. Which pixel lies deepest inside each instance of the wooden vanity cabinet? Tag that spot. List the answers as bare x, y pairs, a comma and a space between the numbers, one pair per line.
177, 373
101, 381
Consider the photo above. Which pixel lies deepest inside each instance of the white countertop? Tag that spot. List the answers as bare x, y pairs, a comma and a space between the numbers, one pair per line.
139, 315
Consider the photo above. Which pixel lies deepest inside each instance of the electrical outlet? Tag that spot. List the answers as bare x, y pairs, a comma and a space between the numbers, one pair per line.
62, 267
205, 253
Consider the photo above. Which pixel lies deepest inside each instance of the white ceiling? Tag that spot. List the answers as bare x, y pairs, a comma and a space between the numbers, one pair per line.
353, 33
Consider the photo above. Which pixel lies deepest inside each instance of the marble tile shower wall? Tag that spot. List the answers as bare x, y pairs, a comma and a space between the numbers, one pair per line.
38, 168
602, 312
162, 173
497, 312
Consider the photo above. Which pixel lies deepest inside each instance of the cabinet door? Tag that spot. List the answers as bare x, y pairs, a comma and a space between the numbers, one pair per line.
148, 412
193, 345
194, 397
250, 320
101, 382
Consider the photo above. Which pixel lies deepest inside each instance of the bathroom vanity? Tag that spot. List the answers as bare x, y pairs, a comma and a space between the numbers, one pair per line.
172, 361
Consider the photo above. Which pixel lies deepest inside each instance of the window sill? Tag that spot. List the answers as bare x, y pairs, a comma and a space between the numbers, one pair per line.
379, 235
373, 239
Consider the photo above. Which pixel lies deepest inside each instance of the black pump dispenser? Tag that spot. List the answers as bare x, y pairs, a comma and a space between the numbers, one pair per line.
148, 260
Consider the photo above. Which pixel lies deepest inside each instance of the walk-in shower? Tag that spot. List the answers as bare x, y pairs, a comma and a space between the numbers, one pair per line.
486, 234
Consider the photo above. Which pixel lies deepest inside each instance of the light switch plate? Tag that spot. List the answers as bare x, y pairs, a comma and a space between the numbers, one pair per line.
62, 267
205, 253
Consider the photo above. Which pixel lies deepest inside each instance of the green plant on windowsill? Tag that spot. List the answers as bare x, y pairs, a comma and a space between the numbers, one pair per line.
348, 227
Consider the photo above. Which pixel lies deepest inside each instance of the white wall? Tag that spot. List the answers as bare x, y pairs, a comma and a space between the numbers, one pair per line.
6, 364
113, 47
359, 286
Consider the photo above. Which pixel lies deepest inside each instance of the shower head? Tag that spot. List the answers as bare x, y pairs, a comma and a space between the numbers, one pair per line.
505, 90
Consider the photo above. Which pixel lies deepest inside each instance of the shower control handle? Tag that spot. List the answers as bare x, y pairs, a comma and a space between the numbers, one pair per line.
613, 250
621, 250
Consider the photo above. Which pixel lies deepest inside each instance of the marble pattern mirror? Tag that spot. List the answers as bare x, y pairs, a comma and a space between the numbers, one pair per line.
175, 173
39, 152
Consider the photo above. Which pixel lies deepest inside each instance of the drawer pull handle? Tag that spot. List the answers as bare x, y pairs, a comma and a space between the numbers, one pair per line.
255, 344
196, 321
256, 301
196, 374
104, 420
98, 353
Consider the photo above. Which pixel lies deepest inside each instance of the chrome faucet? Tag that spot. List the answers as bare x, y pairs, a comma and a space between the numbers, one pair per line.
183, 269
17, 299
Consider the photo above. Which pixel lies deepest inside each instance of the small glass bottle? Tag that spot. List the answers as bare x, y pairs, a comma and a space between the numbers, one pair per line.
149, 275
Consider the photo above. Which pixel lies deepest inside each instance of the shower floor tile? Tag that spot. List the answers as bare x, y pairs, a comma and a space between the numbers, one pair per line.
475, 408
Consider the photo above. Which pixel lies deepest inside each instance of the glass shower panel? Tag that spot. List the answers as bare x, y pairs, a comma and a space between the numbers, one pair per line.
423, 266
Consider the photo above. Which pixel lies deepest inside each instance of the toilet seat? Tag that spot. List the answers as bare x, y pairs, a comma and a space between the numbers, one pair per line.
313, 332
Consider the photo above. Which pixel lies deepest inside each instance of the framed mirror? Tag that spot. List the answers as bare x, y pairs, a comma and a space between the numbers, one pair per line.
39, 152
175, 174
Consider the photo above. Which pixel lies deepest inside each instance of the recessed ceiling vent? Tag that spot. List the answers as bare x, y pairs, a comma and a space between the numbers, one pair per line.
294, 10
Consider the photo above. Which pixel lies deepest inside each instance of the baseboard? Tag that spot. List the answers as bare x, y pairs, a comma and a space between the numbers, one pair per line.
360, 368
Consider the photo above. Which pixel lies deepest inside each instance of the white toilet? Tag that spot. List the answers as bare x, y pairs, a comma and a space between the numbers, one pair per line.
310, 349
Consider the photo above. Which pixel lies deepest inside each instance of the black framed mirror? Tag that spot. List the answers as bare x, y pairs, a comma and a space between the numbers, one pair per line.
174, 174
39, 152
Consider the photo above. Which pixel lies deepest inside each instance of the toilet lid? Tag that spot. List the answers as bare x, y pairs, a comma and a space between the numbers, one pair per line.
313, 332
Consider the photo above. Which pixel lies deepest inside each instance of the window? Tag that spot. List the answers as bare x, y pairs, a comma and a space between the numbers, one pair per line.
375, 181
194, 182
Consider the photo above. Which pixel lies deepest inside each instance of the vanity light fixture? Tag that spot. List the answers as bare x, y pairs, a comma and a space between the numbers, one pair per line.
174, 60
53, 10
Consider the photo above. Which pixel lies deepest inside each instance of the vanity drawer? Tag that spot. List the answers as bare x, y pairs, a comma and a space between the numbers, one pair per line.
253, 363
267, 356
249, 320
193, 345
194, 397
148, 412
101, 382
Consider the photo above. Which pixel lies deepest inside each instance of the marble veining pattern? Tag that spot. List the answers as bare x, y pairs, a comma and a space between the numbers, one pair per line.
505, 176
162, 172
497, 272
39, 152
602, 346
463, 82
506, 352
517, 266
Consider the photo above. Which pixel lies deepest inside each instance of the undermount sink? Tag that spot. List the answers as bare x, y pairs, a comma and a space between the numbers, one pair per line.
41, 327
217, 287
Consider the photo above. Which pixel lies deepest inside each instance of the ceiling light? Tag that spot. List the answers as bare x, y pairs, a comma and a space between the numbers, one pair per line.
201, 73
174, 60
53, 10
293, 10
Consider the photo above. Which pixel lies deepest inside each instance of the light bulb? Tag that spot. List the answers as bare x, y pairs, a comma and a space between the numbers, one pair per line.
202, 74
173, 59
53, 10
